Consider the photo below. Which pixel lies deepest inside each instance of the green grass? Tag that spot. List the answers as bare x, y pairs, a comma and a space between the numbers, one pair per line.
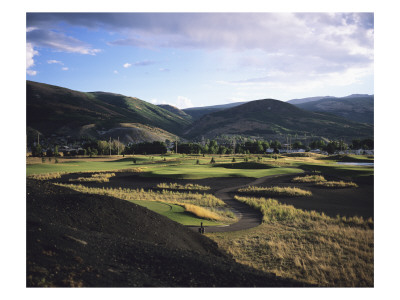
184, 166
202, 207
208, 171
175, 212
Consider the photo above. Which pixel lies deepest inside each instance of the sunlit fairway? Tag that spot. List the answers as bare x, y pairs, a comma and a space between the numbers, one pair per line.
198, 167
176, 213
169, 166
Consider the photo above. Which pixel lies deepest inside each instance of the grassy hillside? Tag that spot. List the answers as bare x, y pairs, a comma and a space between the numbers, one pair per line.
57, 110
198, 112
272, 118
356, 108
176, 111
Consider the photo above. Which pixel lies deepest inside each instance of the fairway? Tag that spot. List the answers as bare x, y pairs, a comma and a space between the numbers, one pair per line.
174, 212
208, 171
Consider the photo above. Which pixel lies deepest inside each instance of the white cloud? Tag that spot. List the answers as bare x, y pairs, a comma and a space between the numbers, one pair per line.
65, 68
30, 53
53, 61
183, 102
31, 72
58, 41
115, 72
127, 65
157, 102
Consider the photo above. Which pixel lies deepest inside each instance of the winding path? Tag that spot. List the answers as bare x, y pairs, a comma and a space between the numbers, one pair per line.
248, 216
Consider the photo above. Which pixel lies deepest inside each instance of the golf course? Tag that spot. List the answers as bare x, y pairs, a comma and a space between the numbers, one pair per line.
258, 209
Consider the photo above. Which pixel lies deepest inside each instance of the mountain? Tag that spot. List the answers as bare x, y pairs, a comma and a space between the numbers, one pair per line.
271, 119
54, 110
198, 112
306, 100
175, 110
357, 107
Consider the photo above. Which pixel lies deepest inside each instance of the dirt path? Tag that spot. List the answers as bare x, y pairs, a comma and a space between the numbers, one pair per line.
248, 217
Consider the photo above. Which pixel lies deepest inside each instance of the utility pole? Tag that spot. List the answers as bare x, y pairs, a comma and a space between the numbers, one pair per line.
287, 144
110, 146
118, 145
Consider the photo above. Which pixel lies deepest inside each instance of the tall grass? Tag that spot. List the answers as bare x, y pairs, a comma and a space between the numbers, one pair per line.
309, 178
188, 186
47, 176
204, 202
274, 191
306, 246
336, 184
98, 177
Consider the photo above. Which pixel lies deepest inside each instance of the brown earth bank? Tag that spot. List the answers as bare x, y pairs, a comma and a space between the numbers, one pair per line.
81, 240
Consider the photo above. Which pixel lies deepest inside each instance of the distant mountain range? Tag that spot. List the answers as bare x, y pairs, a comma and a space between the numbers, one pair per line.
57, 111
272, 118
198, 112
359, 108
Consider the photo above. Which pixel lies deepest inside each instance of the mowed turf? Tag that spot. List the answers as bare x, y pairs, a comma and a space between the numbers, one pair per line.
174, 212
185, 168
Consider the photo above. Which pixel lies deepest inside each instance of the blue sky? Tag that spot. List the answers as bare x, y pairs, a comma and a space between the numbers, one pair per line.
199, 59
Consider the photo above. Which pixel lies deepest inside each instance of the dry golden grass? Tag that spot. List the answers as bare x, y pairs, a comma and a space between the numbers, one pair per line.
97, 177
47, 176
336, 184
201, 212
309, 178
202, 205
274, 191
305, 246
188, 186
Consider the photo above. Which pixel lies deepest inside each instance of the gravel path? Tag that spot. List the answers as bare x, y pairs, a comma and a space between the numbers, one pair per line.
248, 217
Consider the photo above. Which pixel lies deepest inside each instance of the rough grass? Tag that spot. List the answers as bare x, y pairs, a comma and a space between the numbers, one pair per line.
98, 177
336, 184
306, 246
188, 186
47, 176
202, 201
274, 191
309, 178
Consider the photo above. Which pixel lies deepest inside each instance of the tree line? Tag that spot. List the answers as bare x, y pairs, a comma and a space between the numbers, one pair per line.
114, 147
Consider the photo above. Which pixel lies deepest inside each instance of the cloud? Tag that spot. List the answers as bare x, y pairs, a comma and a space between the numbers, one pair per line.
298, 44
115, 72
144, 63
65, 68
30, 53
183, 102
164, 70
53, 61
127, 65
58, 41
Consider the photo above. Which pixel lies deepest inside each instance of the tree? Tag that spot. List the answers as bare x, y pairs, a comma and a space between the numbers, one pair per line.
56, 153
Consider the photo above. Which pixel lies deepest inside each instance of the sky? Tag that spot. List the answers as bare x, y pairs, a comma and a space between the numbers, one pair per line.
200, 59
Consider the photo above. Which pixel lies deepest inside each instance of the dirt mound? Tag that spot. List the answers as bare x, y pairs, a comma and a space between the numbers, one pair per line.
89, 240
